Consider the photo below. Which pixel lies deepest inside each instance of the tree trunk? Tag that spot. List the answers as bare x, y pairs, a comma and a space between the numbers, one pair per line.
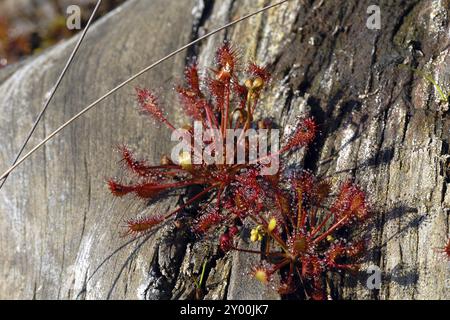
381, 125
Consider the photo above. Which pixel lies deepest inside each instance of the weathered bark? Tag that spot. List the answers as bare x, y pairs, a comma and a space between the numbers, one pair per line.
380, 125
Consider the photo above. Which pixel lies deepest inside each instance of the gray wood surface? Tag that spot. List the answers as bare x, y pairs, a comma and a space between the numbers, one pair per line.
59, 227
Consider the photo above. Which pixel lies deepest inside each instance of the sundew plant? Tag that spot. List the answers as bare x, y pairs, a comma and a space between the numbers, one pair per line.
295, 216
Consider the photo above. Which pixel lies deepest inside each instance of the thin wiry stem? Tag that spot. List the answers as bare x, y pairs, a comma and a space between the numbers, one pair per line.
52, 93
96, 102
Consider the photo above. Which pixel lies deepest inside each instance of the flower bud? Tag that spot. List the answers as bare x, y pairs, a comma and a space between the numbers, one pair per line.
272, 224
257, 83
225, 242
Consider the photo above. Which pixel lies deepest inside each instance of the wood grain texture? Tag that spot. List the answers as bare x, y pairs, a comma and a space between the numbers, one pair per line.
380, 125
58, 222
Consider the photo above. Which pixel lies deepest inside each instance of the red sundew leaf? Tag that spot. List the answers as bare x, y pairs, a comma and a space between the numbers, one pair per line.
149, 190
118, 189
192, 78
299, 244
303, 136
263, 272
311, 266
350, 202
335, 252
239, 89
358, 206
343, 250
149, 105
249, 179
305, 183
217, 90
143, 224
258, 71
313, 190
322, 191
248, 194
192, 104
355, 250
227, 58
139, 167
244, 202
282, 201
318, 291
207, 221
241, 93
142, 190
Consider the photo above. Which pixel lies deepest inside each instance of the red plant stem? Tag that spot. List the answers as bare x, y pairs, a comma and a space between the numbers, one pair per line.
322, 224
247, 250
210, 116
280, 207
249, 116
175, 172
301, 281
177, 167
279, 240
304, 216
313, 218
219, 195
329, 231
224, 115
226, 108
194, 146
300, 219
165, 170
190, 201
253, 108
212, 125
291, 272
181, 184
281, 265
152, 186
267, 247
169, 125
